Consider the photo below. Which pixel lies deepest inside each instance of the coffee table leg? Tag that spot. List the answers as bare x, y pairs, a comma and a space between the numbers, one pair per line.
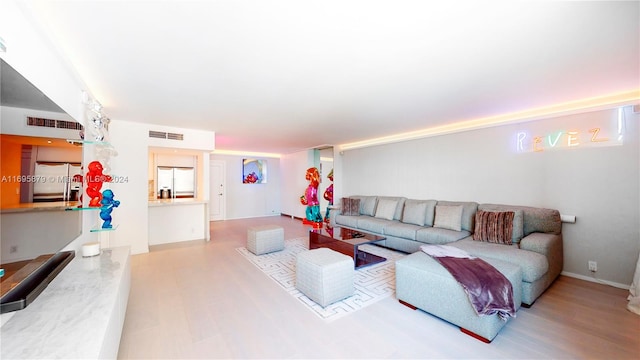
363, 258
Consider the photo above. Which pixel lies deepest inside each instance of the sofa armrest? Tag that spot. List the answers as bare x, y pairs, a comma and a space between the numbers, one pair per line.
549, 245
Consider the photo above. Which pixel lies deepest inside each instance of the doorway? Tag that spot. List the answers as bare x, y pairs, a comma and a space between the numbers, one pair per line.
218, 191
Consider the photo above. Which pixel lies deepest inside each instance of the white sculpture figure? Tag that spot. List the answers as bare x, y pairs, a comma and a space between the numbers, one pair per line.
95, 128
104, 153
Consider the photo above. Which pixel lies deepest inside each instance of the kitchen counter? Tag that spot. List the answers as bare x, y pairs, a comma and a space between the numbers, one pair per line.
177, 220
171, 202
40, 206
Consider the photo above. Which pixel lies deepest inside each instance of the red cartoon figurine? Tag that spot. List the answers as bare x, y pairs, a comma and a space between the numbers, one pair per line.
95, 178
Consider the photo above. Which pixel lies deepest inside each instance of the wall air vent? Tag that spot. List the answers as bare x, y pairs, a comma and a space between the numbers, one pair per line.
174, 136
56, 124
164, 135
157, 134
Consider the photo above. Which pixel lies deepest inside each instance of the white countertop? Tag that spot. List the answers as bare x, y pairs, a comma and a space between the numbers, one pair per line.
173, 202
70, 318
41, 206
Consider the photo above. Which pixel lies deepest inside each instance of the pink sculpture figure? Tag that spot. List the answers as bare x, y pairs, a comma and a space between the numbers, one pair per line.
310, 198
95, 178
328, 195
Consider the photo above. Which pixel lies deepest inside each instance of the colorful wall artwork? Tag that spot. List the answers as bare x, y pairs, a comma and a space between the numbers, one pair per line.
254, 171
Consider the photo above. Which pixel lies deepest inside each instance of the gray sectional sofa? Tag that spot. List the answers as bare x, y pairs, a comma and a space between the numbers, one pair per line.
407, 224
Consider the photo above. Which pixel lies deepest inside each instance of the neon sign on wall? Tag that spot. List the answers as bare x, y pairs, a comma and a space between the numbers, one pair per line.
602, 132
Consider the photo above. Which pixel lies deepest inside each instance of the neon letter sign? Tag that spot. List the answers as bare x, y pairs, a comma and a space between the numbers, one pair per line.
595, 132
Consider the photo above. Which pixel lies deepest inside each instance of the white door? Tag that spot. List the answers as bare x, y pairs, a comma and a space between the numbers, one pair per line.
218, 193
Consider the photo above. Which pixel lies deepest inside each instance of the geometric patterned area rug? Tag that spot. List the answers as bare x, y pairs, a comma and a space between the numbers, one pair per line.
372, 283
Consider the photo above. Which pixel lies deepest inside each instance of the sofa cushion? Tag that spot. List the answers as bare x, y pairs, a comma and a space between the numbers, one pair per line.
368, 206
350, 207
434, 235
533, 265
386, 209
348, 221
468, 212
448, 217
415, 212
373, 224
494, 226
402, 230
397, 215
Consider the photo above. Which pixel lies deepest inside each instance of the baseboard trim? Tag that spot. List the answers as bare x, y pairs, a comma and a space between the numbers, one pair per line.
247, 217
596, 280
291, 216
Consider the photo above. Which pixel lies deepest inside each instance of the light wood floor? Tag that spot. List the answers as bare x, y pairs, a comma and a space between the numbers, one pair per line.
204, 300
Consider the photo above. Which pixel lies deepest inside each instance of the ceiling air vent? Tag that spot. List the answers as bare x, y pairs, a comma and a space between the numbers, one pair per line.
157, 134
55, 124
174, 136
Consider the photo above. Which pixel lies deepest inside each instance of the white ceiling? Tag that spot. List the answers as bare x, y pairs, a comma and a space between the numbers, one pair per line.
281, 76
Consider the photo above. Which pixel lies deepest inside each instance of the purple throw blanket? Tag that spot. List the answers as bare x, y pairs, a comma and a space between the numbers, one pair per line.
489, 291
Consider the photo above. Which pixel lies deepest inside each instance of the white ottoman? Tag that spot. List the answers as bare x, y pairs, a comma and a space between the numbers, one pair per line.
265, 239
325, 276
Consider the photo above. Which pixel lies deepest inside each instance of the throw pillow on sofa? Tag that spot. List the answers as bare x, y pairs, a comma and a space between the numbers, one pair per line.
494, 227
518, 219
369, 205
448, 217
350, 207
386, 208
415, 212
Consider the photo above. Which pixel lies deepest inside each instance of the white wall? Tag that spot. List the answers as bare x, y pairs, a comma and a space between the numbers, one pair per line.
131, 141
132, 216
251, 200
600, 185
14, 122
280, 195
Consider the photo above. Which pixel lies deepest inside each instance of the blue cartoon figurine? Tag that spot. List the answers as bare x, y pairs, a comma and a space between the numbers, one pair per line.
107, 207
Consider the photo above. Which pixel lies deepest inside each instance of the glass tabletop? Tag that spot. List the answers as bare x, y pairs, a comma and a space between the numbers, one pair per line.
347, 235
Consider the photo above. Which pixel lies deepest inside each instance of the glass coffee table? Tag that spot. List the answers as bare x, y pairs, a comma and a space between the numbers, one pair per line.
346, 241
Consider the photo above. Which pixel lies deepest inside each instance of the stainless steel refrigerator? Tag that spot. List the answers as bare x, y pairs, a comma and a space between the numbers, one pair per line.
54, 182
176, 182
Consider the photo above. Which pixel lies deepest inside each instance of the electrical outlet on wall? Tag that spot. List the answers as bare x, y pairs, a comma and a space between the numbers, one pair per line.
593, 266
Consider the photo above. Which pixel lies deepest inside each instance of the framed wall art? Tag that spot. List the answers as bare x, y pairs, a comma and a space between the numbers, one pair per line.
254, 171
